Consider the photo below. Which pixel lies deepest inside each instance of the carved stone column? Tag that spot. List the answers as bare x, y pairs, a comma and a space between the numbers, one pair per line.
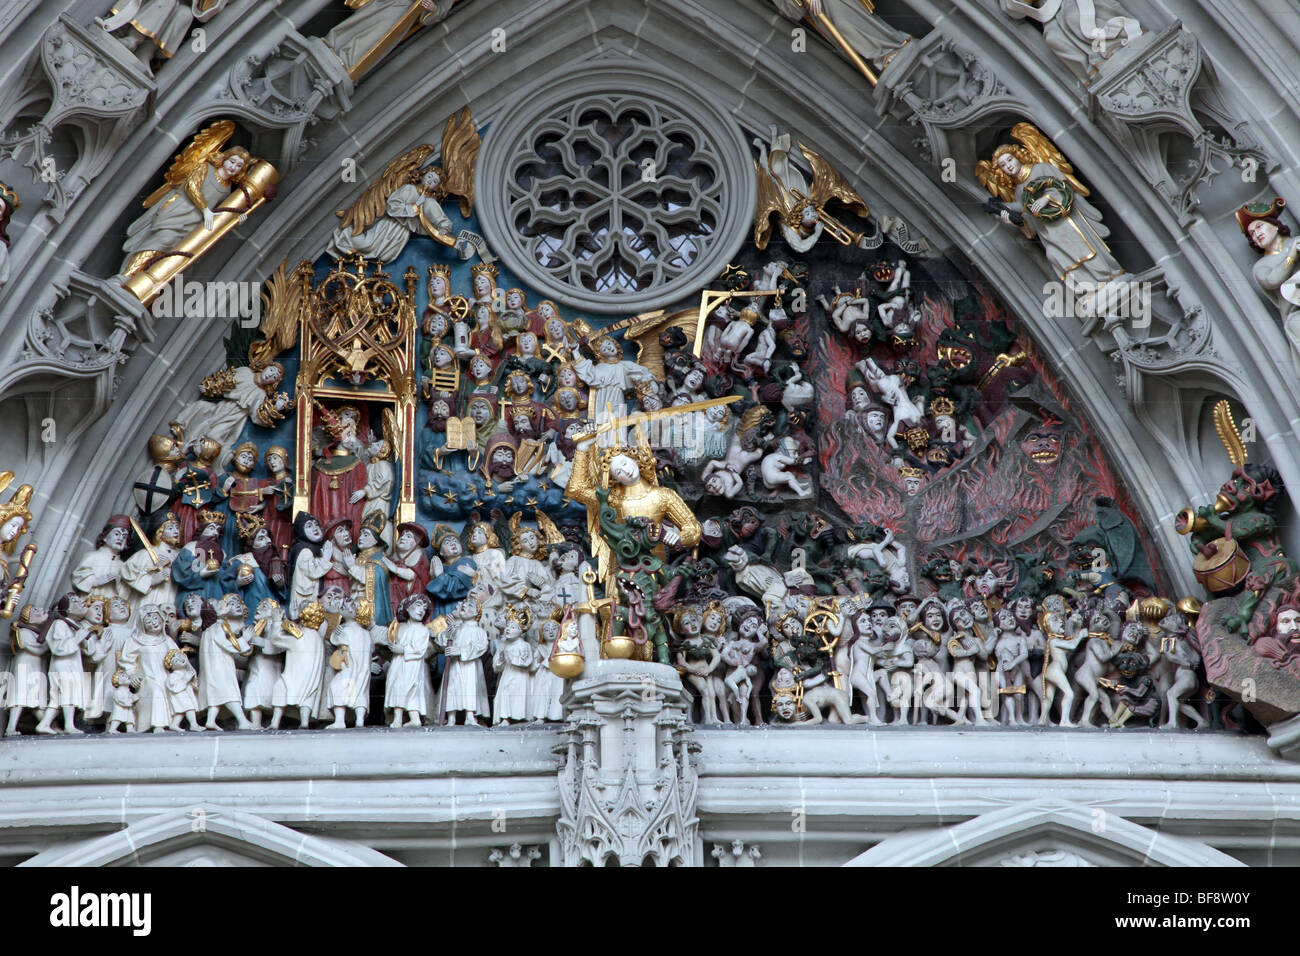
627, 774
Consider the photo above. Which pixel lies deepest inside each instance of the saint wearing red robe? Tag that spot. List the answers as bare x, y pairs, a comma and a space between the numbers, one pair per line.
338, 476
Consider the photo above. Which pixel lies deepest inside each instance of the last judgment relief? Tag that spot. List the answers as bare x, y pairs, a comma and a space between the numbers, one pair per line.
836, 482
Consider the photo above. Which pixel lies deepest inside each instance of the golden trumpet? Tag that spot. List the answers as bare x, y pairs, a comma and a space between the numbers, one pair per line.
1188, 521
830, 225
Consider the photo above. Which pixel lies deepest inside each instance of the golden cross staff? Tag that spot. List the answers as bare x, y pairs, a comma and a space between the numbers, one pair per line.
823, 21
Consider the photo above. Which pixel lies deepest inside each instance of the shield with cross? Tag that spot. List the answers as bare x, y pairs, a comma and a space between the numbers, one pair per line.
154, 489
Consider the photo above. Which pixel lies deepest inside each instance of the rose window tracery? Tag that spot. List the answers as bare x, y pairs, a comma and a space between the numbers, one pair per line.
610, 195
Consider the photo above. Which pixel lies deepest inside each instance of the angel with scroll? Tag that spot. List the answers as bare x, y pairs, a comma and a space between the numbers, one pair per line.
406, 199
1035, 188
196, 185
783, 189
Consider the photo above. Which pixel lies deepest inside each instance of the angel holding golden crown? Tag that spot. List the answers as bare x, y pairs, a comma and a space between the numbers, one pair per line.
1036, 189
407, 198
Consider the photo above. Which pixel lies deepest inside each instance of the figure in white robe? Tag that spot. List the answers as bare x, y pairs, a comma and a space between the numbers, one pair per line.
612, 377
220, 645
266, 664
102, 650
349, 686
145, 655
251, 397
544, 687
408, 693
99, 573
146, 583
163, 225
527, 580
299, 684
182, 690
1082, 33
307, 573
67, 674
513, 661
464, 689
870, 37
26, 682
378, 490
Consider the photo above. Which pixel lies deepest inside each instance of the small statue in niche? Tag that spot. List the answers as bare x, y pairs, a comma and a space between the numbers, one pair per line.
156, 26
1033, 183
852, 27
1082, 33
376, 26
1277, 272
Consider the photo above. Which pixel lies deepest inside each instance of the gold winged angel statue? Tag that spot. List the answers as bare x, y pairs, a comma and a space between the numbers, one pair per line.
15, 520
205, 193
1035, 188
250, 386
783, 189
406, 199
